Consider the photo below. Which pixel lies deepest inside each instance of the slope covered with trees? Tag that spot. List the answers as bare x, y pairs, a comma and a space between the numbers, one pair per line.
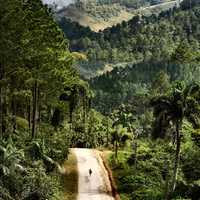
35, 73
141, 39
154, 105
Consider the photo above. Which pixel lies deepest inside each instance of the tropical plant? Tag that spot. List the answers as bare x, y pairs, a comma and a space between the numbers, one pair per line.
170, 111
119, 135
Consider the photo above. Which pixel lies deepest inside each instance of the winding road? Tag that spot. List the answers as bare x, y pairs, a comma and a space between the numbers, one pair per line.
94, 187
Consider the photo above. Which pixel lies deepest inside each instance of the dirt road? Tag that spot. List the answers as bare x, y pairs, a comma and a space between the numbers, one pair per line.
96, 186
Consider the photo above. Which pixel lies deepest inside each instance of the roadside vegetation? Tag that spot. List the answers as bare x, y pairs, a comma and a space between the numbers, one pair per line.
38, 88
70, 178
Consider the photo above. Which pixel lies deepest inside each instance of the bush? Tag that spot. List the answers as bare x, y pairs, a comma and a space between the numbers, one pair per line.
21, 123
27, 166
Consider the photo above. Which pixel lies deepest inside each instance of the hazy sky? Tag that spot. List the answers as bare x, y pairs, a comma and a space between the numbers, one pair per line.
60, 3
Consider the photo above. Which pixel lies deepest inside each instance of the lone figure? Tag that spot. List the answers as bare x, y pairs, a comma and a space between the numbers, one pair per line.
90, 172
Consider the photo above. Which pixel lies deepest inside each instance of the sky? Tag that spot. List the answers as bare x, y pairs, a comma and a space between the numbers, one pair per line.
59, 3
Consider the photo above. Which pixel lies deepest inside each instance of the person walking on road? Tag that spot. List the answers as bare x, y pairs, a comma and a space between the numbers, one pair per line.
90, 172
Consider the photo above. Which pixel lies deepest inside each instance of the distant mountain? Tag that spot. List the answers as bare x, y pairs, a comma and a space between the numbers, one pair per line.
101, 14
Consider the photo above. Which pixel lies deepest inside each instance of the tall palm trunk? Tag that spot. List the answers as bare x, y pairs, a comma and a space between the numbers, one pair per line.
177, 159
135, 152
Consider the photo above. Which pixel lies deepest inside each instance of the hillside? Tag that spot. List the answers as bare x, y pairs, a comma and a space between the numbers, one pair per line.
135, 41
101, 15
155, 45
134, 83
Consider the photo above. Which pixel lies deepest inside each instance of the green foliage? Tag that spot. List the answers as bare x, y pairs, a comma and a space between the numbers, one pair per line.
21, 123
154, 167
35, 69
196, 137
28, 168
183, 102
94, 131
147, 182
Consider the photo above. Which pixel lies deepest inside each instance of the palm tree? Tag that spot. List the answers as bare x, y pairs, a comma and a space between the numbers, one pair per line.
182, 103
119, 135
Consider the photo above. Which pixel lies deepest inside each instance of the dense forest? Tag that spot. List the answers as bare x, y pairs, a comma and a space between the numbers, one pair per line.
144, 115
149, 97
138, 40
38, 88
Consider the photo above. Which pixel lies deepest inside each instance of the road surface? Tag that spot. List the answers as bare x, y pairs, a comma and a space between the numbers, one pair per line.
171, 4
94, 187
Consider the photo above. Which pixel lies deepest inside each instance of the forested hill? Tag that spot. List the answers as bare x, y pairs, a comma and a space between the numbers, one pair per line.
168, 44
134, 84
139, 40
101, 14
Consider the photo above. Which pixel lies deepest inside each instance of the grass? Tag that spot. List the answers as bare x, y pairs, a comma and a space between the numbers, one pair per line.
70, 178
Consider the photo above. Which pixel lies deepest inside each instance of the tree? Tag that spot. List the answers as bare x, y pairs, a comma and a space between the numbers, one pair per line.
32, 81
118, 134
122, 119
161, 83
182, 103
187, 53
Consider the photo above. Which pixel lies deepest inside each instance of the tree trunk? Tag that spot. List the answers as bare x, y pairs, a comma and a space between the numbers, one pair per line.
167, 178
166, 193
135, 152
34, 113
84, 107
14, 113
5, 110
29, 113
38, 113
177, 159
116, 149
1, 112
1, 100
107, 132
